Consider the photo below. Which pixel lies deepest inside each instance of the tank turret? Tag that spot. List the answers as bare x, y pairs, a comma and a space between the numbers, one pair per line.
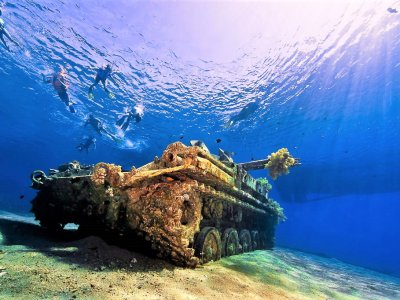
188, 206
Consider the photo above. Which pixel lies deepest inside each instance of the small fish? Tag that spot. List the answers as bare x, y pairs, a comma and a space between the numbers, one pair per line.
21, 196
181, 137
219, 141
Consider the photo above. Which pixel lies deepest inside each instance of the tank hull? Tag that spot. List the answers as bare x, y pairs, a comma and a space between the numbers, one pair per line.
186, 207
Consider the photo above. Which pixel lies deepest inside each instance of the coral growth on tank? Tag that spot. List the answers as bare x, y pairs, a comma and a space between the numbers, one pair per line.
279, 163
264, 181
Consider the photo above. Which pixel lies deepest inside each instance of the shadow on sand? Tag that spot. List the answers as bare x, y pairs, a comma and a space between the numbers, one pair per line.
75, 248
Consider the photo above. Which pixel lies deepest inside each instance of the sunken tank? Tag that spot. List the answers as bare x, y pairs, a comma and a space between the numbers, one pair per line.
188, 206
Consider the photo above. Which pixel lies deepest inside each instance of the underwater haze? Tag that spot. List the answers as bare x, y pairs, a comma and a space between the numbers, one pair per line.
323, 77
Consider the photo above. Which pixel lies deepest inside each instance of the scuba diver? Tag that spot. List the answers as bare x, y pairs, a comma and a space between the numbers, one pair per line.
125, 119
4, 33
244, 113
98, 126
102, 74
86, 144
61, 85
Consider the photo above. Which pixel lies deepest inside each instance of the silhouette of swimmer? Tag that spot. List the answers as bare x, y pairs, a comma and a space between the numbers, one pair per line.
4, 33
86, 143
103, 73
98, 126
61, 85
392, 10
246, 111
125, 119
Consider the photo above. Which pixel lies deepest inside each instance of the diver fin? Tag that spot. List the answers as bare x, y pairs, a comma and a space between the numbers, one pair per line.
125, 126
120, 121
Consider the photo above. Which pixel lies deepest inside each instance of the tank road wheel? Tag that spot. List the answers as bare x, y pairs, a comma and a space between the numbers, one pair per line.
245, 240
230, 242
208, 245
263, 244
255, 237
266, 241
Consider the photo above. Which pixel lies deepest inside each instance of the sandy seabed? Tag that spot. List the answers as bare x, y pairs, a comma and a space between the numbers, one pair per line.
35, 265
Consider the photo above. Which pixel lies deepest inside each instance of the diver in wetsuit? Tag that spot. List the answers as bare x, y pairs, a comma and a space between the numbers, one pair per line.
125, 119
103, 73
61, 85
244, 113
4, 33
86, 144
98, 126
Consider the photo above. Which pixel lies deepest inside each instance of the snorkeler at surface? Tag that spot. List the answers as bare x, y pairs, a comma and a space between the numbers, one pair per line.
125, 119
61, 85
4, 33
98, 126
103, 73
86, 143
246, 111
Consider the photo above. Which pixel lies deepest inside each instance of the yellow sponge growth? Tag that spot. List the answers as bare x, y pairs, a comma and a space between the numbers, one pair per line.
279, 163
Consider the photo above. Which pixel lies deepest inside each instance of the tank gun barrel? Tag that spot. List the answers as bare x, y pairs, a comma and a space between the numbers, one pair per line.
260, 164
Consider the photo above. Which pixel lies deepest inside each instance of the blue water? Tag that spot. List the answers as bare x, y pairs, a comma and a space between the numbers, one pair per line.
326, 78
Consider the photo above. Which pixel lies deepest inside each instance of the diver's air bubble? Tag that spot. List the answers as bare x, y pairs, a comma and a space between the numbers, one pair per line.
139, 109
137, 145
